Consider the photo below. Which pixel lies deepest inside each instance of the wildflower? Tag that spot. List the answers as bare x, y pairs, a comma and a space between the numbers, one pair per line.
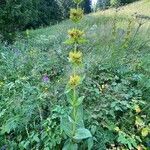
76, 14
75, 34
75, 57
74, 81
45, 78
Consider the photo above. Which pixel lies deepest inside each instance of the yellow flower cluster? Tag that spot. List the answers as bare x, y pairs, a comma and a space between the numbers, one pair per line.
75, 34
75, 57
76, 14
74, 81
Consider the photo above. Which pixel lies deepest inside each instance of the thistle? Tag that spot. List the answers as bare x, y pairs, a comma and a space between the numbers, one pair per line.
73, 124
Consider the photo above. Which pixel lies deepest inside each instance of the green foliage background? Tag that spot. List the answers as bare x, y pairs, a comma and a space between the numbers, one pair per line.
117, 82
19, 15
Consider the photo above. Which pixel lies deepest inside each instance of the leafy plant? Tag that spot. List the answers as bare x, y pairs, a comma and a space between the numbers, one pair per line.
72, 124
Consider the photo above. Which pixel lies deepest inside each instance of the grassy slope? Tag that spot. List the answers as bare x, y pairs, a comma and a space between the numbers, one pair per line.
103, 20
98, 27
140, 7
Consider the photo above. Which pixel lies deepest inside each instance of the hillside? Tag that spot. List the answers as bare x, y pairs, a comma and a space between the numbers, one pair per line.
99, 27
141, 7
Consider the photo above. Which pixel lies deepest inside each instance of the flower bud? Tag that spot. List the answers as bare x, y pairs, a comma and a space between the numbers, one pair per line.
75, 57
76, 14
74, 81
75, 34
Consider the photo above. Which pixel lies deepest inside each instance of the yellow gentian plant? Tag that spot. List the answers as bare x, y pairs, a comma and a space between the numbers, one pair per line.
73, 124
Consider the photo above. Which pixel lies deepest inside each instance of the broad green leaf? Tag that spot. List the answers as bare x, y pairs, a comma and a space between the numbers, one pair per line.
90, 143
82, 133
79, 119
46, 148
67, 89
69, 145
70, 96
36, 138
122, 138
69, 41
80, 100
66, 126
83, 77
82, 41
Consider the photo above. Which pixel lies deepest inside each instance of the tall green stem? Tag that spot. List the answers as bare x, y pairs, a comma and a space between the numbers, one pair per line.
75, 47
74, 111
74, 100
77, 6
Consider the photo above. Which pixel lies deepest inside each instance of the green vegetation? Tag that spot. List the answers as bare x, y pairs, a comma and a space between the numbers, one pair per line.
19, 15
116, 87
73, 123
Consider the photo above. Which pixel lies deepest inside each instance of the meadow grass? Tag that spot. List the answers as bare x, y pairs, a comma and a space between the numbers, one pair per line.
100, 21
99, 27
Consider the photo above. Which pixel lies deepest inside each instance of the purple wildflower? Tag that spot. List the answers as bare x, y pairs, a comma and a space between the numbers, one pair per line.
45, 78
